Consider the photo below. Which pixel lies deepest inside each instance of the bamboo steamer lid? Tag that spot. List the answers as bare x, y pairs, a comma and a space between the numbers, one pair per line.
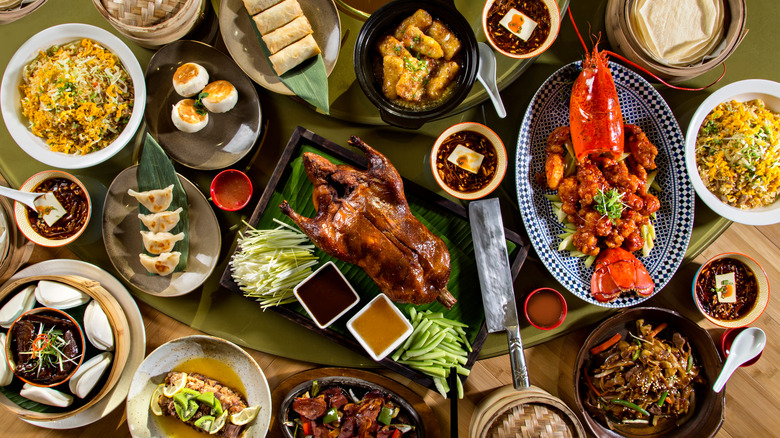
531, 412
623, 40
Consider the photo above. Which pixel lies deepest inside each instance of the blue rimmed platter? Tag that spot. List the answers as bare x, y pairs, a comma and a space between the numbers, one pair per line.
641, 105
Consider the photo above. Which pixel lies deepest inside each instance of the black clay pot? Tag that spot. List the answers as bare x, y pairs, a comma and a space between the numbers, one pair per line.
383, 22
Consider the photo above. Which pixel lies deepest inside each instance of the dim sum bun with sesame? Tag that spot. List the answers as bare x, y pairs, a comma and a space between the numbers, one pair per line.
189, 79
187, 118
219, 96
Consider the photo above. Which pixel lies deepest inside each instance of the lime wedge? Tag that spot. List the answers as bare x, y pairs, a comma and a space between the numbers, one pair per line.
176, 386
154, 403
218, 423
245, 416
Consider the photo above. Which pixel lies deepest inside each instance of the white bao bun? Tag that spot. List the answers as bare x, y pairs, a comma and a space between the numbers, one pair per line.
188, 84
193, 123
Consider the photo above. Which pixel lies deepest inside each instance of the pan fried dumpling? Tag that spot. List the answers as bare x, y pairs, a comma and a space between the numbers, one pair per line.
162, 221
163, 264
158, 243
154, 200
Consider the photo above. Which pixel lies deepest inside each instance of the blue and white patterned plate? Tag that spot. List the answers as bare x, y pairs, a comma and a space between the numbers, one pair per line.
641, 105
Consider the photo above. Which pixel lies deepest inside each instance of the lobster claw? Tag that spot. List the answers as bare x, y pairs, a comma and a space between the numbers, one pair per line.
618, 271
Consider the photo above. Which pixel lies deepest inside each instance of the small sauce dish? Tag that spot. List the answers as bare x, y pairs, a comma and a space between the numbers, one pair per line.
545, 308
231, 190
380, 327
326, 295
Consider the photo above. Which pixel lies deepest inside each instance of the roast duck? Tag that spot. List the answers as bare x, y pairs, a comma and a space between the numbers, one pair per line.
363, 218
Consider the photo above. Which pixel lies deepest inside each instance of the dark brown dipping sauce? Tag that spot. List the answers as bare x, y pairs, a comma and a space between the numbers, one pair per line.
746, 289
506, 40
326, 295
458, 178
72, 198
544, 308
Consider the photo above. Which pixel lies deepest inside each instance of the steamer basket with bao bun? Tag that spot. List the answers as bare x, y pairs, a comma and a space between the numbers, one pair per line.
704, 34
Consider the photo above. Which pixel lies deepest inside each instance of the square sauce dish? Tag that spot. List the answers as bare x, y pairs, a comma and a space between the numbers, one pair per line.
326, 295
380, 327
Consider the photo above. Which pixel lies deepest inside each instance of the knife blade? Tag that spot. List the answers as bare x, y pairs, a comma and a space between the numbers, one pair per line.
495, 281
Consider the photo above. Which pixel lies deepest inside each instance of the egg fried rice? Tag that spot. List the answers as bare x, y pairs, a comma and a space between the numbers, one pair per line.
738, 153
77, 96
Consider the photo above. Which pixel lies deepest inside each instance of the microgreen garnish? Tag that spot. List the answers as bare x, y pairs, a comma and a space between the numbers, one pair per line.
199, 108
609, 203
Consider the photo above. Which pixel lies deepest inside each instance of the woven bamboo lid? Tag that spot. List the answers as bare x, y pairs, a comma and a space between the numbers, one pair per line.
142, 13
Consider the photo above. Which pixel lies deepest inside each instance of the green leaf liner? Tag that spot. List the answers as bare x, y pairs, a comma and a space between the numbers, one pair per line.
455, 231
155, 171
309, 80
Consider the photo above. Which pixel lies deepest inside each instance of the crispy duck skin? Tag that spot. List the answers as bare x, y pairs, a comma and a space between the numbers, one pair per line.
363, 218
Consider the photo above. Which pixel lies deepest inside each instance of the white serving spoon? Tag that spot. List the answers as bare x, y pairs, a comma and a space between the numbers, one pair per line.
747, 345
486, 73
46, 202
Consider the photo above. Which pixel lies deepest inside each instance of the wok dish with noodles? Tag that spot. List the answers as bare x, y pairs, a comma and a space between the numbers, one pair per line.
647, 378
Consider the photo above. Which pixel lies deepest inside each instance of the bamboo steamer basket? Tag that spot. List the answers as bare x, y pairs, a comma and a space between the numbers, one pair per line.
20, 10
19, 248
119, 327
152, 23
530, 412
623, 40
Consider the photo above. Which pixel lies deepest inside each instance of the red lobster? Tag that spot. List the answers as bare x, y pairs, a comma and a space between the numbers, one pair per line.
618, 271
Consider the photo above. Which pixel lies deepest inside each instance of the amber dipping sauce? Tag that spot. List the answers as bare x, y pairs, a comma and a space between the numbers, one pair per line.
231, 190
545, 308
326, 295
379, 325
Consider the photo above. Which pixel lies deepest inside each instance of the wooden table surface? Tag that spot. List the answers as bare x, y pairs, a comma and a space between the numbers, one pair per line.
750, 397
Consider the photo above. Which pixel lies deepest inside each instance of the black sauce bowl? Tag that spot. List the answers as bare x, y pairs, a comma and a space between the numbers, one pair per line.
383, 22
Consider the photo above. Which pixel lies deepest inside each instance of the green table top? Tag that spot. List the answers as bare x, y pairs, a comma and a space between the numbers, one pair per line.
221, 313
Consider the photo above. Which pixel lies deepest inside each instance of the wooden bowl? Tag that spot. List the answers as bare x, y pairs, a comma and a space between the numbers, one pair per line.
709, 411
120, 329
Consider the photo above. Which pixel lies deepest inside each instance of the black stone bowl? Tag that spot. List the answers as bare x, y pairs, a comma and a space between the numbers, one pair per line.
383, 22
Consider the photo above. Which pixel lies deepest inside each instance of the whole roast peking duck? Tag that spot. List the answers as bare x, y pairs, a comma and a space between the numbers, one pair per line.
363, 218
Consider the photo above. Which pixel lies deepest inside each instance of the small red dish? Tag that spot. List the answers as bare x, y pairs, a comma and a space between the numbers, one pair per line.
231, 190
545, 308
725, 344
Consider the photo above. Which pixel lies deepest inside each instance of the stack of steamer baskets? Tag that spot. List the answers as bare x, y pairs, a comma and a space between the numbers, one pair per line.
623, 36
152, 23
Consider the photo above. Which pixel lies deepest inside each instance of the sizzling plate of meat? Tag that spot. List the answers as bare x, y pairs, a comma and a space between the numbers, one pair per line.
363, 218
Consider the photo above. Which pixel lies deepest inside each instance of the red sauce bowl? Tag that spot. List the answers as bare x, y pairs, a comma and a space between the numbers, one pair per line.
231, 190
545, 308
725, 344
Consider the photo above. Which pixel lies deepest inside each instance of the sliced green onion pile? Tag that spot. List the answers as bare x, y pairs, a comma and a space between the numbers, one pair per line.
270, 263
436, 345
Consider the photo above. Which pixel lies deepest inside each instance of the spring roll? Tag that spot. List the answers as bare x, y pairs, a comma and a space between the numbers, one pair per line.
294, 54
277, 16
287, 34
256, 6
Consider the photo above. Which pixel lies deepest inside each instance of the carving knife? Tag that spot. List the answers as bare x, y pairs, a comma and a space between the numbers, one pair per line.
495, 280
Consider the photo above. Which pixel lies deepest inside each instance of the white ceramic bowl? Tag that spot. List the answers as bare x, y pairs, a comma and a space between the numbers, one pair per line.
500, 151
377, 356
351, 291
10, 95
167, 357
555, 27
741, 91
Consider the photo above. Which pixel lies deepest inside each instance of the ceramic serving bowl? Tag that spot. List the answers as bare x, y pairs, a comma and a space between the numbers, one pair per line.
762, 297
88, 325
709, 408
21, 211
231, 190
554, 14
383, 22
741, 91
494, 140
10, 94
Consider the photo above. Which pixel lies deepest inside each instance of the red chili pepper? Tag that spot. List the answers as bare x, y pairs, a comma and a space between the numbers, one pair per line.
396, 434
608, 343
308, 430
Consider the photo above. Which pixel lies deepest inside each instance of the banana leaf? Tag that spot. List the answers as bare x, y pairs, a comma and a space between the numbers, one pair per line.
309, 80
155, 171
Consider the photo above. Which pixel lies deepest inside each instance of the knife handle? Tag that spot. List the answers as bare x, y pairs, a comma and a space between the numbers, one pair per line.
517, 358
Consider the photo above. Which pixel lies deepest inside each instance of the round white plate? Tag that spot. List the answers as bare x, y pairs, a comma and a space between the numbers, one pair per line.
168, 356
641, 105
10, 95
137, 335
742, 91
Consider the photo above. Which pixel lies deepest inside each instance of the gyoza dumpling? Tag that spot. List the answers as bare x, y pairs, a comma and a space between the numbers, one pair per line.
162, 221
163, 264
158, 243
155, 200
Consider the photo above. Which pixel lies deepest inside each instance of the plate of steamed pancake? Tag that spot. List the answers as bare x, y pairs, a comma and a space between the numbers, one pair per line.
292, 30
126, 244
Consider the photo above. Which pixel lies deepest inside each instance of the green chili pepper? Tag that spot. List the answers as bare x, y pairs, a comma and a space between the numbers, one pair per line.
331, 416
385, 416
690, 363
630, 405
663, 398
636, 353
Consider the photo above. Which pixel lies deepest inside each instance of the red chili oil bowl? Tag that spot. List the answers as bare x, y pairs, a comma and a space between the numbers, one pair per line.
545, 308
231, 190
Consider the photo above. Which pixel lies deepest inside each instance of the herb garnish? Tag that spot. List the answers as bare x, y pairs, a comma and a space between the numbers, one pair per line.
609, 203
47, 348
199, 108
